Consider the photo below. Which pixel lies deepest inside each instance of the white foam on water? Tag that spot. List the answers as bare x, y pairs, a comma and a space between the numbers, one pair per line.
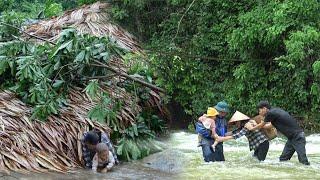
239, 158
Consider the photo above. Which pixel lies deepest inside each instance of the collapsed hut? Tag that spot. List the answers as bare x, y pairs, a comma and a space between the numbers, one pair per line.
55, 144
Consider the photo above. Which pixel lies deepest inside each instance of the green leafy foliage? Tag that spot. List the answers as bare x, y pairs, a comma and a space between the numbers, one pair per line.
82, 2
21, 13
52, 9
41, 74
137, 142
238, 51
105, 110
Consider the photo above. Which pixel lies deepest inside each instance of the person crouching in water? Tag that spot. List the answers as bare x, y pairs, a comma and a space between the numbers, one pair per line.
205, 127
258, 141
89, 143
103, 160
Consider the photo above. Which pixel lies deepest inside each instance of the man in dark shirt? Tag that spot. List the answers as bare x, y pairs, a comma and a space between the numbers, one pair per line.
289, 127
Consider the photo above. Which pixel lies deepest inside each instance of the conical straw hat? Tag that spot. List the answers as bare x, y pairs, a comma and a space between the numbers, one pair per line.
238, 116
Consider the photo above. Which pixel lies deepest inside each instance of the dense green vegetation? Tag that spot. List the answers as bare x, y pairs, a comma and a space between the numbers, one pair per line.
238, 51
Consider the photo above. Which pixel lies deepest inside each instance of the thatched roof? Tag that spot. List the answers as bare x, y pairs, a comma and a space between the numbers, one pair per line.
54, 145
89, 19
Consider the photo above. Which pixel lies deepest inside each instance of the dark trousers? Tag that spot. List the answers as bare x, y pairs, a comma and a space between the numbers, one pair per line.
261, 151
218, 154
296, 143
209, 154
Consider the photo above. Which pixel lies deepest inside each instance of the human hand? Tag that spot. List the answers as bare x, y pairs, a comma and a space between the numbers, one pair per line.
213, 148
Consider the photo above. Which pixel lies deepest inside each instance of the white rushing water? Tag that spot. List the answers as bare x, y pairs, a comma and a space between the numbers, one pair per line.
182, 159
240, 163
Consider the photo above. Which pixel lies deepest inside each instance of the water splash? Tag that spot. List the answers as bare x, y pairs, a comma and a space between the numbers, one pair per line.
240, 163
182, 159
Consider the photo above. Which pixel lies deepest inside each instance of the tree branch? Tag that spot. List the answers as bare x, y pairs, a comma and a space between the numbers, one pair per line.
181, 20
100, 64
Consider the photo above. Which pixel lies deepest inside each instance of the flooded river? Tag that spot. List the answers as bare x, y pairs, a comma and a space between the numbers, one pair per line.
181, 159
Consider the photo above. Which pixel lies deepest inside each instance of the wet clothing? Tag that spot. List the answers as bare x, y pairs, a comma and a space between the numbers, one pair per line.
221, 130
207, 152
255, 137
283, 122
289, 127
218, 154
261, 152
296, 143
206, 143
88, 155
257, 141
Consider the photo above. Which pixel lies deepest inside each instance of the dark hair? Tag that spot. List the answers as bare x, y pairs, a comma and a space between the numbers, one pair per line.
263, 104
91, 137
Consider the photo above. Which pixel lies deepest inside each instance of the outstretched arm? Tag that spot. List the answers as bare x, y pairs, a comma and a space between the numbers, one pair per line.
226, 138
252, 128
237, 135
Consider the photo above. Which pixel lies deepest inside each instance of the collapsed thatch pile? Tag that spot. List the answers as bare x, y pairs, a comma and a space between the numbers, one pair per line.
37, 146
89, 19
94, 19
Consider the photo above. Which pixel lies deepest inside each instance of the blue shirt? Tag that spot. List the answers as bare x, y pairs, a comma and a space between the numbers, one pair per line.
221, 126
204, 132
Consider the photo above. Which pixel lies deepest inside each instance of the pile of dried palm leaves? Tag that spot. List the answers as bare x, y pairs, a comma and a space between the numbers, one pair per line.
94, 19
89, 19
38, 146
54, 145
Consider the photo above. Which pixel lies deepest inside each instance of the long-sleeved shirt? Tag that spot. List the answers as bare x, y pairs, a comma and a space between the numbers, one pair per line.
88, 155
255, 137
